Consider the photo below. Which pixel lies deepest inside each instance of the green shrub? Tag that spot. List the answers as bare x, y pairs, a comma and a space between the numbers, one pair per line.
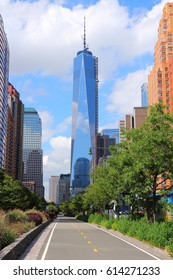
169, 246
21, 227
91, 218
52, 208
82, 217
15, 215
132, 228
98, 218
114, 225
106, 223
123, 225
142, 230
7, 236
159, 234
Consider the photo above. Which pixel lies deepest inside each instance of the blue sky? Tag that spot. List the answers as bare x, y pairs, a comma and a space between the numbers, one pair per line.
44, 37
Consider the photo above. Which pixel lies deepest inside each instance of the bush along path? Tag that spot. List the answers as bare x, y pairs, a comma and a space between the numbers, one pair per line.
16, 222
157, 234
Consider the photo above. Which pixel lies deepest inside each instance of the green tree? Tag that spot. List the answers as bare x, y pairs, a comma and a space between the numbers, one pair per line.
14, 195
64, 208
51, 207
103, 189
79, 204
148, 156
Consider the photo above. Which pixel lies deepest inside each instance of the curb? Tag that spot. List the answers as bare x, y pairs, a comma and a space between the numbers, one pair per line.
14, 250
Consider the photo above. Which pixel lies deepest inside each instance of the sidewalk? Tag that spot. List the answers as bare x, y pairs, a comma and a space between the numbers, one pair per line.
33, 250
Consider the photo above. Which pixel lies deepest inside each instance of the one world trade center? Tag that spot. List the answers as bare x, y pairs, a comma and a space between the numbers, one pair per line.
84, 117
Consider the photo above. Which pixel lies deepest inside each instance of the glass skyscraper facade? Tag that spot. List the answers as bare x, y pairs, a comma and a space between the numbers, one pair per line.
144, 95
32, 152
4, 73
84, 117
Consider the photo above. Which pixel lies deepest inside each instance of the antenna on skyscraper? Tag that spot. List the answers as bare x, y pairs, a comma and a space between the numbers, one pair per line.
84, 38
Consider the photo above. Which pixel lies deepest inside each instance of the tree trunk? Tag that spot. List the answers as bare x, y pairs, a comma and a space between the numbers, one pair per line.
154, 205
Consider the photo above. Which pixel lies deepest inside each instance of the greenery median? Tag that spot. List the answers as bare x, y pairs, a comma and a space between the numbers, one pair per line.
156, 234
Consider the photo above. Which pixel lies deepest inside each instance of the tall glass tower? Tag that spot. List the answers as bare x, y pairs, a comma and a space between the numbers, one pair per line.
32, 152
144, 95
84, 116
4, 73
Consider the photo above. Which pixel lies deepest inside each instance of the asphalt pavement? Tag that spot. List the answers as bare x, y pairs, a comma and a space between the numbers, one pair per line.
69, 239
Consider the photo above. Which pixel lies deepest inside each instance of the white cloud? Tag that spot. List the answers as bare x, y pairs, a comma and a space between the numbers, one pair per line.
44, 37
64, 125
49, 128
126, 93
57, 161
47, 122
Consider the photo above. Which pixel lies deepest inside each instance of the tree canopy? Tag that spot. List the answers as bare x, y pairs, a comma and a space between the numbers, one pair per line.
140, 166
14, 195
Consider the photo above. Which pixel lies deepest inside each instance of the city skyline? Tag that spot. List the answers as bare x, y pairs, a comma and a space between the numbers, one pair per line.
43, 42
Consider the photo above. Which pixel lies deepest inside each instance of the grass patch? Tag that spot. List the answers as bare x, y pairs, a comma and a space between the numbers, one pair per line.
16, 222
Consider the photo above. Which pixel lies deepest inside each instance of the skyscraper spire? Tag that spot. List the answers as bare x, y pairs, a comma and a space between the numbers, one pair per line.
84, 38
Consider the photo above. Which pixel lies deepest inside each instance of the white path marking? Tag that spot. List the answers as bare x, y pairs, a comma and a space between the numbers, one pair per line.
48, 243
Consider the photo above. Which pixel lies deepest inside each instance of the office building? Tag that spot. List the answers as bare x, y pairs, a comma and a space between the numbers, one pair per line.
103, 144
121, 127
84, 116
4, 73
32, 151
129, 121
81, 173
14, 140
132, 121
53, 189
160, 79
59, 188
30, 185
139, 116
64, 188
112, 133
144, 95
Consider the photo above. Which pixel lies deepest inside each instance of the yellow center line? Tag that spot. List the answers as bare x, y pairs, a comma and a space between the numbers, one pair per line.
95, 250
84, 236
